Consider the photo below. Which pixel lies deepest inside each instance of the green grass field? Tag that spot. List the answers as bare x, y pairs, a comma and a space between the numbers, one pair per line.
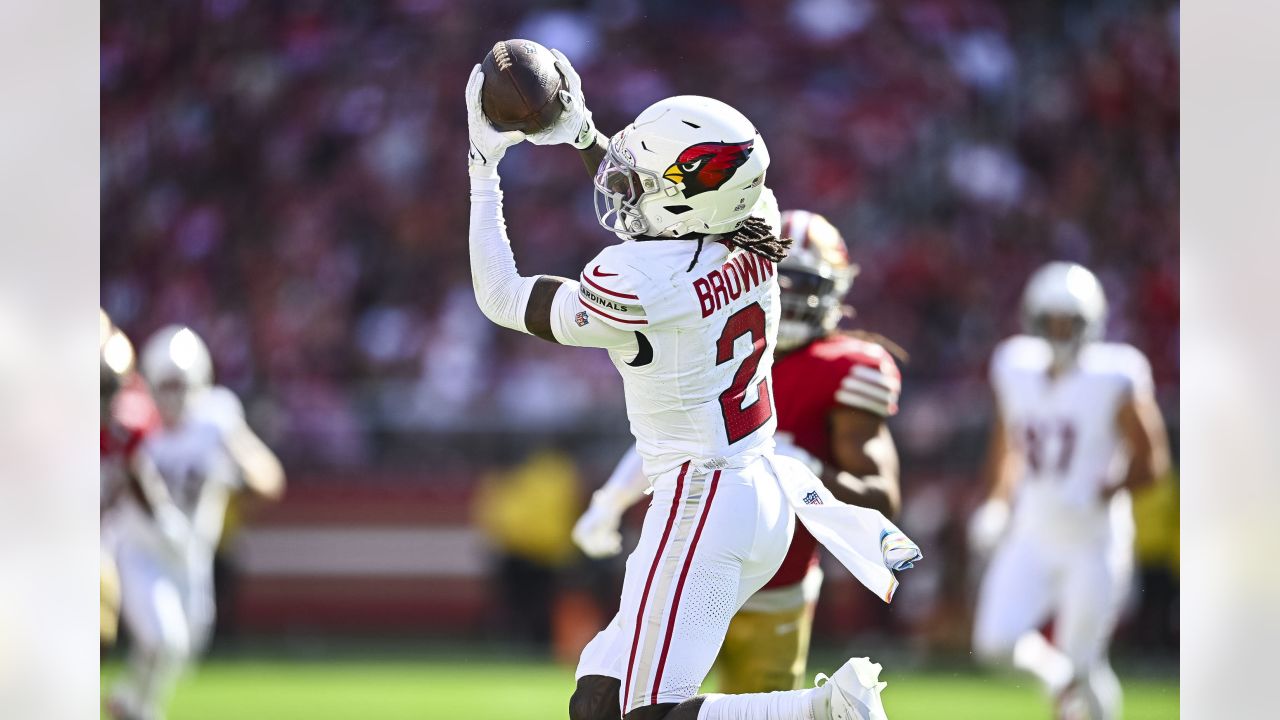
489, 690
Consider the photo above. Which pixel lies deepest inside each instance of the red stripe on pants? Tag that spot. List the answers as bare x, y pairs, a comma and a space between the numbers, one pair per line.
684, 573
635, 641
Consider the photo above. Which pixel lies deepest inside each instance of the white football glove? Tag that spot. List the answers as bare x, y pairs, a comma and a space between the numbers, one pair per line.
900, 553
574, 125
597, 532
487, 143
987, 526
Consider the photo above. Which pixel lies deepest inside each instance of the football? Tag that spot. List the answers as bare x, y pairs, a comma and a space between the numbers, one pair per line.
521, 86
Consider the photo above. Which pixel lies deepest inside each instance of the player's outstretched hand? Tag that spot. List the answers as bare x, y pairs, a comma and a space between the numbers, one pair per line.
596, 532
574, 125
487, 143
900, 553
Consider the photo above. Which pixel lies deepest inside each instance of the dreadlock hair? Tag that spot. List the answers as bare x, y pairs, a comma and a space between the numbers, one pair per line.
754, 236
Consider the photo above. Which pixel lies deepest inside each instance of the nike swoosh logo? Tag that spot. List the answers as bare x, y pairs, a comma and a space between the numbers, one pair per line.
596, 271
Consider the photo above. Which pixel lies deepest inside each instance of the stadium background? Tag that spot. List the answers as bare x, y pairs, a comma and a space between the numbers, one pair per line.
288, 179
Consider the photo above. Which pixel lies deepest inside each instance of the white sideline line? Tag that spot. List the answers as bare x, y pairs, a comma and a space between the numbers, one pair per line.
362, 552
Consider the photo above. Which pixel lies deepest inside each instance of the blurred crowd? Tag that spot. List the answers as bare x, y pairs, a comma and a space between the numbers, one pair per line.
289, 180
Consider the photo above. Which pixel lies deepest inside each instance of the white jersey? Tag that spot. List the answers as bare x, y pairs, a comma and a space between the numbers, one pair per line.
690, 324
697, 380
1066, 433
194, 463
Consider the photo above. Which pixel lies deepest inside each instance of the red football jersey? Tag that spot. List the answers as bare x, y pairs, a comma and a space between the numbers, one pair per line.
133, 417
808, 384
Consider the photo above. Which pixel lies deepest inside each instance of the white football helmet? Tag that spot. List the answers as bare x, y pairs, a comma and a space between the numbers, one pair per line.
1063, 292
688, 164
177, 367
813, 278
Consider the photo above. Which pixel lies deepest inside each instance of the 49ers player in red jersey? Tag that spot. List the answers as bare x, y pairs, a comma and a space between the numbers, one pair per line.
126, 416
833, 392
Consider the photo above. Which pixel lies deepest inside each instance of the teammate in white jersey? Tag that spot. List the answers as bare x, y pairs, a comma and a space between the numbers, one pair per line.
204, 451
687, 307
1076, 429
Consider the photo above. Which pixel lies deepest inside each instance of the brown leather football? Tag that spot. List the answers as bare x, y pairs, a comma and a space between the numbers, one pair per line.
521, 86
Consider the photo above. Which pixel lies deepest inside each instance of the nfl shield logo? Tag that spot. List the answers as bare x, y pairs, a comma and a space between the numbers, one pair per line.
581, 318
812, 498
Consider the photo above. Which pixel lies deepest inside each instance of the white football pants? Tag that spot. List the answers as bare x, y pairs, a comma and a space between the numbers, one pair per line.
711, 539
167, 608
1081, 588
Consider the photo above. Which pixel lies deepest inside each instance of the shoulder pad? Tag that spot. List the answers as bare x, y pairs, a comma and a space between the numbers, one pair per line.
609, 288
1019, 353
1123, 360
221, 408
873, 382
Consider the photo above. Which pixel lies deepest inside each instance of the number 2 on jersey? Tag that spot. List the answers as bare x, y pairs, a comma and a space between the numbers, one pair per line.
740, 421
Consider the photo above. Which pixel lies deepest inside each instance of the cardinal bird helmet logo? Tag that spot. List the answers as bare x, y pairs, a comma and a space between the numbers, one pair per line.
707, 166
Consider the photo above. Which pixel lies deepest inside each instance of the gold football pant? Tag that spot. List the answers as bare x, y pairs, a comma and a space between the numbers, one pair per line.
108, 600
766, 650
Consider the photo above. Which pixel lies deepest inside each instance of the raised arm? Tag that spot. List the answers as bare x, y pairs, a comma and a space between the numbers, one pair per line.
501, 291
541, 305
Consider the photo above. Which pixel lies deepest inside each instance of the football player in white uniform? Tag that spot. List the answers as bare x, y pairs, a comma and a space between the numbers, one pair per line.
687, 307
834, 392
203, 450
1076, 430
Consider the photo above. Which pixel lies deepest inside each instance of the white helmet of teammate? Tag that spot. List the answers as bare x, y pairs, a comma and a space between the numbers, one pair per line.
688, 164
1065, 305
813, 278
177, 366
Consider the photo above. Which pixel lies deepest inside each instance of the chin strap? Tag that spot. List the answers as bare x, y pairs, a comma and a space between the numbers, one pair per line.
696, 253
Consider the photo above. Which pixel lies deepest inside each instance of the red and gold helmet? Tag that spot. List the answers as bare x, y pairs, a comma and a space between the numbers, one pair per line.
814, 278
115, 357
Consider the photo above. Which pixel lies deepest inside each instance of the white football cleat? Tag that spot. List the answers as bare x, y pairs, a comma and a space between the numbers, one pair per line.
853, 693
1077, 702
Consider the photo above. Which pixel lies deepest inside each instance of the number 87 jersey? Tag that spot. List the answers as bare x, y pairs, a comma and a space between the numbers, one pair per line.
1064, 431
697, 378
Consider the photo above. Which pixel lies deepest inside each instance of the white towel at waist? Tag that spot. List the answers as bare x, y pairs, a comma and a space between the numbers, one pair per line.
851, 534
